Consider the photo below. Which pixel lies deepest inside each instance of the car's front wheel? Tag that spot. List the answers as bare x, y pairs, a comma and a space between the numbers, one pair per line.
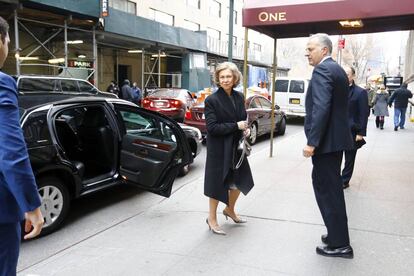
253, 134
282, 127
55, 203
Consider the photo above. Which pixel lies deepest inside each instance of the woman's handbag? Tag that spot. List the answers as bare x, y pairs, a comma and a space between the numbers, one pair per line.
242, 151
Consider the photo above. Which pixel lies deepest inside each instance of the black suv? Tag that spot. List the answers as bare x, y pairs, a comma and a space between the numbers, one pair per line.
85, 144
34, 89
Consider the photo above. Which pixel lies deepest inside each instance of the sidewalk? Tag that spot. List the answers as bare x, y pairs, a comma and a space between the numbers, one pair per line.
284, 225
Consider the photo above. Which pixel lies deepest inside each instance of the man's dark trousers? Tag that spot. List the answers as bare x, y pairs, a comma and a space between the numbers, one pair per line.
327, 185
350, 156
9, 248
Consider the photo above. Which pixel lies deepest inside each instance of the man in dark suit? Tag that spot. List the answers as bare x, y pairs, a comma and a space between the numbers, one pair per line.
328, 135
358, 112
18, 193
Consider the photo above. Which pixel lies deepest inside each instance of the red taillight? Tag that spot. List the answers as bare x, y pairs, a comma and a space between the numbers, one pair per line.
188, 115
145, 103
175, 103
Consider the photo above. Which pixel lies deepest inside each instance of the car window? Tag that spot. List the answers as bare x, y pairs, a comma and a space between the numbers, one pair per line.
69, 86
282, 85
145, 125
297, 86
86, 87
36, 131
265, 103
37, 85
170, 93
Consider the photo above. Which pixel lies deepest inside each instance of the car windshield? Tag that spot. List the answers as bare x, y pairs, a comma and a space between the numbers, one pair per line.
167, 93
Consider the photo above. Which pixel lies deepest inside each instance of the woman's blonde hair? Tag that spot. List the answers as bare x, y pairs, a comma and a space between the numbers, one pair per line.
232, 67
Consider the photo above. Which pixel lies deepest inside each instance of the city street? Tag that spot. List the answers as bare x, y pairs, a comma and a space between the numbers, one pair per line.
124, 231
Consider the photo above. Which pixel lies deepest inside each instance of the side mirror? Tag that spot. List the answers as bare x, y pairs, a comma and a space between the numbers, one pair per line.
277, 107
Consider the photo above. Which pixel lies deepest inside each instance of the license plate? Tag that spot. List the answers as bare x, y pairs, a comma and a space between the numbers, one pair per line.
294, 101
160, 104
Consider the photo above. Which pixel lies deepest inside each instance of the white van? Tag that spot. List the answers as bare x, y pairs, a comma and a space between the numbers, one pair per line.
290, 94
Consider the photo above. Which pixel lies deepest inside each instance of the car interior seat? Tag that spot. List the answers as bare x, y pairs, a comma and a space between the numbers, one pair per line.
70, 143
97, 140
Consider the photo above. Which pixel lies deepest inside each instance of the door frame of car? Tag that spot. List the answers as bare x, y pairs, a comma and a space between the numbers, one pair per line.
182, 155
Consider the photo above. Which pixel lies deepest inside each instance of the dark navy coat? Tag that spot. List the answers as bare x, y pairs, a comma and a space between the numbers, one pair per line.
358, 110
222, 133
18, 191
326, 122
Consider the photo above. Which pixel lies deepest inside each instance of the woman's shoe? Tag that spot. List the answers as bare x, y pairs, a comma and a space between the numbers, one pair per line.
237, 220
215, 230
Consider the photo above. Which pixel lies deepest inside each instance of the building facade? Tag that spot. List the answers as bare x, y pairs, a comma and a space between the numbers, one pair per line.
156, 43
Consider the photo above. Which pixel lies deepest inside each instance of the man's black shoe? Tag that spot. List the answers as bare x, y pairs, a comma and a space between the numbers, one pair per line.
395, 128
342, 252
345, 185
324, 238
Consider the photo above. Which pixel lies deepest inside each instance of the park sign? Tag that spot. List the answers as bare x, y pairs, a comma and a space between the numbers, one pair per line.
298, 18
80, 64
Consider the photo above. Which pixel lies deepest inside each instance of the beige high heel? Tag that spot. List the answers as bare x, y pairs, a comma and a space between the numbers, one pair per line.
216, 230
237, 220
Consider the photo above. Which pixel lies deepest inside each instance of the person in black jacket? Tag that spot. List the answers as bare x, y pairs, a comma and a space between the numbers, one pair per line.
328, 135
226, 116
400, 97
358, 112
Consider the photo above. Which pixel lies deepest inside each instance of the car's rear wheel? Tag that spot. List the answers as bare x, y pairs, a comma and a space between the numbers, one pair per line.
55, 203
253, 134
282, 127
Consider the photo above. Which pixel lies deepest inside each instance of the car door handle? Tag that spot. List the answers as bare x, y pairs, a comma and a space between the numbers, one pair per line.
149, 145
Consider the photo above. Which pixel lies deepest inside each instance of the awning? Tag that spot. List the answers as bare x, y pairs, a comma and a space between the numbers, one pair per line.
299, 18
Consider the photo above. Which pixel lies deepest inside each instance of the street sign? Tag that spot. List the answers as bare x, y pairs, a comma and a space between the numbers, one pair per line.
341, 43
104, 11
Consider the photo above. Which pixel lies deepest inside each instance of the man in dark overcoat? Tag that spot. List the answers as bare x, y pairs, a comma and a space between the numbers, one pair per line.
358, 118
328, 135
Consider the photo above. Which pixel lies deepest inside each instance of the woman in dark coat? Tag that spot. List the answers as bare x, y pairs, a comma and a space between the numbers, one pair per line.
226, 123
380, 102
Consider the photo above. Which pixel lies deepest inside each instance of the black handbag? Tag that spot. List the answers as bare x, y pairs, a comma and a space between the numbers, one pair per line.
242, 151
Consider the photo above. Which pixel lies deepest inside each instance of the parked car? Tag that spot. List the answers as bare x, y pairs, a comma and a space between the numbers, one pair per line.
85, 144
35, 89
259, 112
172, 102
290, 95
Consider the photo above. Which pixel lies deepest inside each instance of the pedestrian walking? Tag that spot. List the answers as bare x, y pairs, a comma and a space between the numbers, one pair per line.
226, 123
358, 112
400, 99
19, 198
371, 93
380, 103
328, 135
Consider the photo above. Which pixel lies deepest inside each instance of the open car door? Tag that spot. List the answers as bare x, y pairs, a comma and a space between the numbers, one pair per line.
154, 148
